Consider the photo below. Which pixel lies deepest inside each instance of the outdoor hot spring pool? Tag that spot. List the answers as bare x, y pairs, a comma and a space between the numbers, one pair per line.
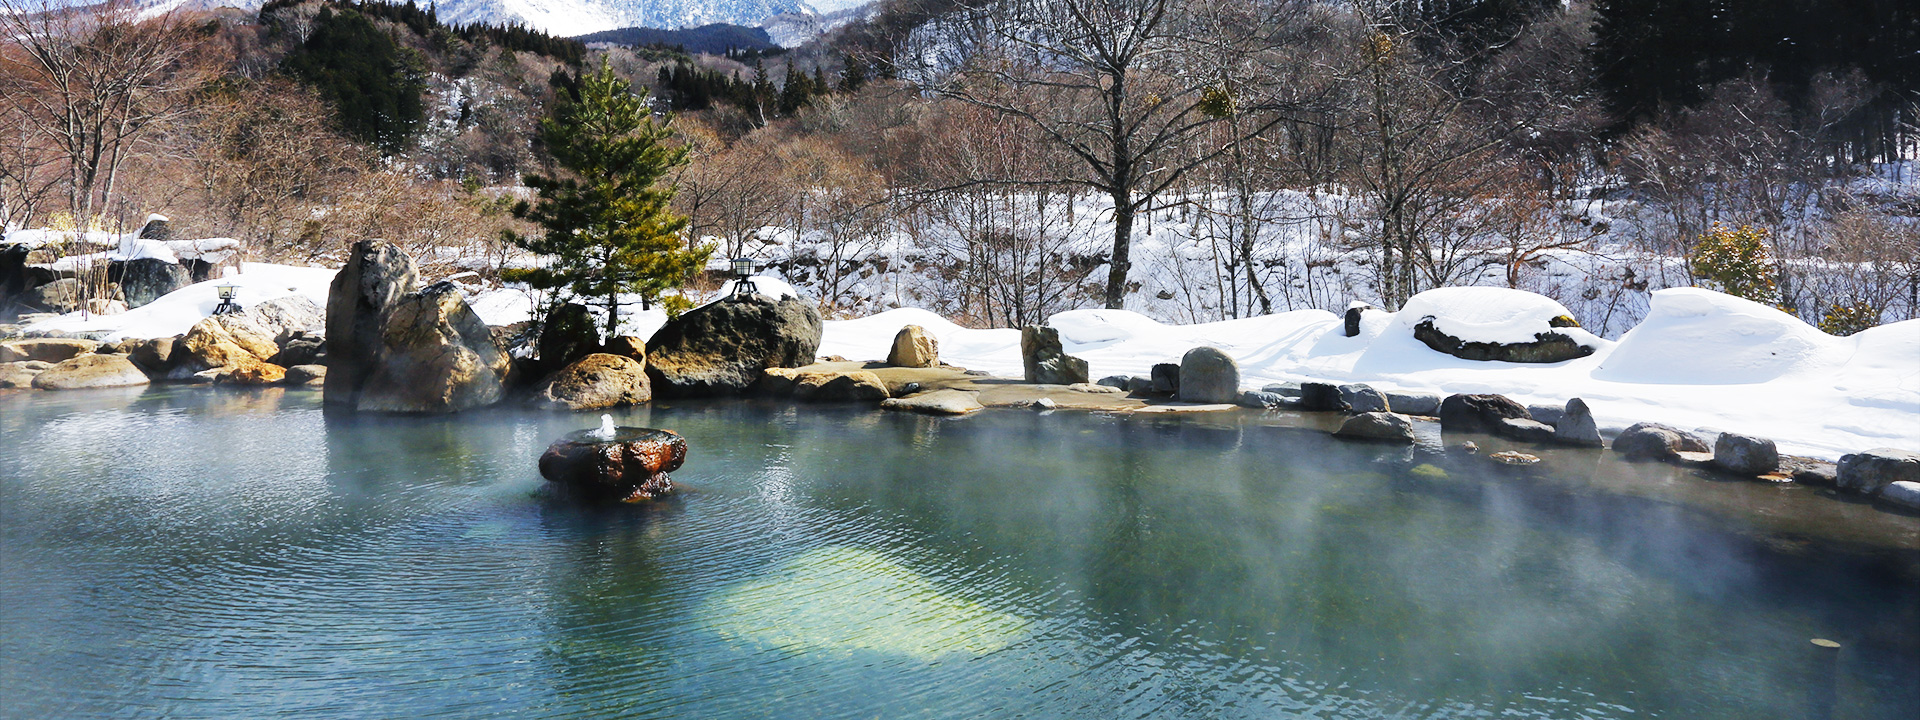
190, 553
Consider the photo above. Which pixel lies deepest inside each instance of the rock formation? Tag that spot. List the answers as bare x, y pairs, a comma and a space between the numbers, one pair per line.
365, 290
593, 382
1046, 361
435, 356
722, 348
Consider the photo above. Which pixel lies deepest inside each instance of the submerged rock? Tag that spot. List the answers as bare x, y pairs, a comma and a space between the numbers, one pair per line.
90, 371
594, 382
722, 348
1745, 454
631, 467
1653, 441
1870, 472
914, 347
1524, 430
1391, 427
936, 402
1511, 457
1045, 359
1209, 375
435, 356
1477, 413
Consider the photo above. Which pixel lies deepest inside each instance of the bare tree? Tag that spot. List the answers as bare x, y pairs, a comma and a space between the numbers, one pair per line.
94, 82
1112, 82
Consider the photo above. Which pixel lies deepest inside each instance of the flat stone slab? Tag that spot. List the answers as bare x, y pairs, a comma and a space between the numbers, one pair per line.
904, 383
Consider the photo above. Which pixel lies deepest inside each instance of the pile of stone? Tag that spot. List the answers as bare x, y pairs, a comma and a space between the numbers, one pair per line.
261, 346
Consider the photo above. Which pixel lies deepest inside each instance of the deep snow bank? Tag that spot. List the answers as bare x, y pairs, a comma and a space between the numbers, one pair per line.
1702, 360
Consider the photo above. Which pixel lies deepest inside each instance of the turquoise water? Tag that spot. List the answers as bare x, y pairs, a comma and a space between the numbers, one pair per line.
188, 553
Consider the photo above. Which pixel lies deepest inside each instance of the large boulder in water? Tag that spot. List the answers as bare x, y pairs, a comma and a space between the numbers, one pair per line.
722, 348
435, 356
596, 381
213, 345
376, 276
1046, 361
1209, 375
90, 371
1489, 323
144, 280
632, 466
1385, 426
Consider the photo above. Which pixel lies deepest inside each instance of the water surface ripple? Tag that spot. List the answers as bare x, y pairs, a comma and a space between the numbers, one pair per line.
181, 553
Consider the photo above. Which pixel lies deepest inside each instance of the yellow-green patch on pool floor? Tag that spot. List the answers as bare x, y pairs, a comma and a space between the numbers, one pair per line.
846, 599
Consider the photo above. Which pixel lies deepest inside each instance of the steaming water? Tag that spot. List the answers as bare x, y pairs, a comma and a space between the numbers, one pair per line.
186, 553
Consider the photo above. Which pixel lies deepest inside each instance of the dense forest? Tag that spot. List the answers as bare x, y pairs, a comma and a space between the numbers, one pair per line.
1001, 160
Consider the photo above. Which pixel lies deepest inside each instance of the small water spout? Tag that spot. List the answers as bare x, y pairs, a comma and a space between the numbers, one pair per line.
606, 430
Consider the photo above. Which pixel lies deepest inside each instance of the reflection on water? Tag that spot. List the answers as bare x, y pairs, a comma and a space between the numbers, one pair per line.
186, 553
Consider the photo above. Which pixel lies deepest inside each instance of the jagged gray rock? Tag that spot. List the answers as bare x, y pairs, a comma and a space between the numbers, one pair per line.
1576, 426
1046, 361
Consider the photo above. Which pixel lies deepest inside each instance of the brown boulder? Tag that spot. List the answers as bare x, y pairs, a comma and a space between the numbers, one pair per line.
91, 371
839, 387
17, 375
914, 347
435, 356
257, 374
594, 382
51, 350
632, 467
375, 277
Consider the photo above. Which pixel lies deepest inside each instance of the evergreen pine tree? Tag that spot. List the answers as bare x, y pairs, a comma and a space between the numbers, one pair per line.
608, 226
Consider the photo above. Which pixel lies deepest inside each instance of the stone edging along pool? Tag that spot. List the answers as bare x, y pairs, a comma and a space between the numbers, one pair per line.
1888, 476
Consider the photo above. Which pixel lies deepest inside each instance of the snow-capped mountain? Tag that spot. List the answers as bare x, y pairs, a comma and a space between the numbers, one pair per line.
790, 21
579, 17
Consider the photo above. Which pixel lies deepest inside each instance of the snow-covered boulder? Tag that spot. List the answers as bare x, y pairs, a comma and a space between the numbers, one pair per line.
1490, 323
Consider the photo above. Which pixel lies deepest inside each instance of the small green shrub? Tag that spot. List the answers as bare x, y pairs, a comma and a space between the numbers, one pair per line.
1737, 260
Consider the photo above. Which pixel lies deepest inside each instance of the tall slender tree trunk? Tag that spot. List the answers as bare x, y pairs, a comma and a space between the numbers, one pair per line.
1122, 249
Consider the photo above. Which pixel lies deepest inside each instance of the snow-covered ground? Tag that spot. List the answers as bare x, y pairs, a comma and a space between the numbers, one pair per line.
1700, 360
